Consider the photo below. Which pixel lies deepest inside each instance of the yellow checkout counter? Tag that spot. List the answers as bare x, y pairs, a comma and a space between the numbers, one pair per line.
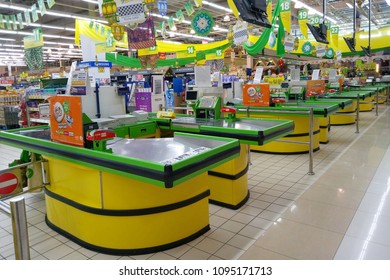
146, 195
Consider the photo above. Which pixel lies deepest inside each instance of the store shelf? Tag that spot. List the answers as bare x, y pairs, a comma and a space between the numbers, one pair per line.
39, 120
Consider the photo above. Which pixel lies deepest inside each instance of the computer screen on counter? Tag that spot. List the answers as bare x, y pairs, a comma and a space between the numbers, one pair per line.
191, 95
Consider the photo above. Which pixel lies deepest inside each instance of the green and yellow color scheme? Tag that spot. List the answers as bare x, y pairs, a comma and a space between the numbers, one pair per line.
117, 215
228, 183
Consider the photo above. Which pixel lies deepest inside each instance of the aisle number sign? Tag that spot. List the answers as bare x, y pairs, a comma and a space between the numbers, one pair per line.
218, 52
285, 14
334, 31
314, 20
303, 17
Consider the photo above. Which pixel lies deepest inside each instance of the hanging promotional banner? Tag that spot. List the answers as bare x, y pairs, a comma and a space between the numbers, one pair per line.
269, 10
338, 55
103, 47
303, 17
35, 40
334, 31
320, 50
189, 8
240, 32
285, 14
130, 12
289, 43
180, 16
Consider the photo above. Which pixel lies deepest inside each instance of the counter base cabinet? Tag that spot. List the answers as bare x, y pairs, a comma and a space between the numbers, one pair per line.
229, 182
116, 215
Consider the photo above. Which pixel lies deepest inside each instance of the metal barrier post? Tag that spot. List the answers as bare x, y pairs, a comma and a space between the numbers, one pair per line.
19, 228
357, 113
311, 144
311, 124
377, 102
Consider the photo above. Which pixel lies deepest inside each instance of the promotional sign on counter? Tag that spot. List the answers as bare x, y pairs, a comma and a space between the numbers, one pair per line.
315, 86
66, 123
256, 94
78, 83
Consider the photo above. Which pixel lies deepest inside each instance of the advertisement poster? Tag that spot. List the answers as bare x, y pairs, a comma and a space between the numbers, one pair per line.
66, 120
317, 86
79, 83
256, 94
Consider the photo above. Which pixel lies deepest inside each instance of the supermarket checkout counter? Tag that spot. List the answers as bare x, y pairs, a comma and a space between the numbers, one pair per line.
137, 196
348, 115
299, 113
147, 195
228, 182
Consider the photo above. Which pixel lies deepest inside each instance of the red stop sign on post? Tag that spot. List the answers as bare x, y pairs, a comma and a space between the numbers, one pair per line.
8, 183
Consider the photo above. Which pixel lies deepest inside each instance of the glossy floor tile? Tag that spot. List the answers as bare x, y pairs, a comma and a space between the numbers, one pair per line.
340, 212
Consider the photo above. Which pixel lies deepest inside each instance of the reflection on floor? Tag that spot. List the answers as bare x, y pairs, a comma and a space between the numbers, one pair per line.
341, 212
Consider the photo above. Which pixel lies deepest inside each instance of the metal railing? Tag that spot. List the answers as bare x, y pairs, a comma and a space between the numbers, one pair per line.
310, 143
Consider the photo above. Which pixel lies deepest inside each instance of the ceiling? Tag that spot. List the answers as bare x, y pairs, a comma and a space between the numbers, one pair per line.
58, 23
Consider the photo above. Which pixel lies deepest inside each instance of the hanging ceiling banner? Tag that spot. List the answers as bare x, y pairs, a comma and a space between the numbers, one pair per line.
303, 17
334, 31
269, 10
35, 40
285, 14
130, 12
169, 47
87, 28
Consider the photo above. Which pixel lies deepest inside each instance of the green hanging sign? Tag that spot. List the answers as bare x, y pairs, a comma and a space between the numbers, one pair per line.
27, 17
189, 8
34, 13
329, 53
50, 3
180, 16
307, 48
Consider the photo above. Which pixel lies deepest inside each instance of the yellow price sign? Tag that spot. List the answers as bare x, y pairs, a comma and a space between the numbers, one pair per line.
100, 69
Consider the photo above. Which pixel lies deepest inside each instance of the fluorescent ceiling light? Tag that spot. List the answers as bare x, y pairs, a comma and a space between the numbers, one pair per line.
349, 5
6, 39
388, 2
91, 1
172, 42
217, 6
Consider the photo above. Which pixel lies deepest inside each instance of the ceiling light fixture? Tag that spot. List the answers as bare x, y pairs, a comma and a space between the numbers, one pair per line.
217, 6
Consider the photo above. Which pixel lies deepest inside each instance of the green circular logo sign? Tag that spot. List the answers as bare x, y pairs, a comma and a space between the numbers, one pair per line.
66, 107
329, 53
29, 173
307, 48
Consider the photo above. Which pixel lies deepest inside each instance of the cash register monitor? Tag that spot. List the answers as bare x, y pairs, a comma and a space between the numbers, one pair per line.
191, 95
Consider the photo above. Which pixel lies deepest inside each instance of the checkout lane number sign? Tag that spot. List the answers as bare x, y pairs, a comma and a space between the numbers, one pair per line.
8, 183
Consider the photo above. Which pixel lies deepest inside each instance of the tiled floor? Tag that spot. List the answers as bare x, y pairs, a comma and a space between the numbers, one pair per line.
341, 212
